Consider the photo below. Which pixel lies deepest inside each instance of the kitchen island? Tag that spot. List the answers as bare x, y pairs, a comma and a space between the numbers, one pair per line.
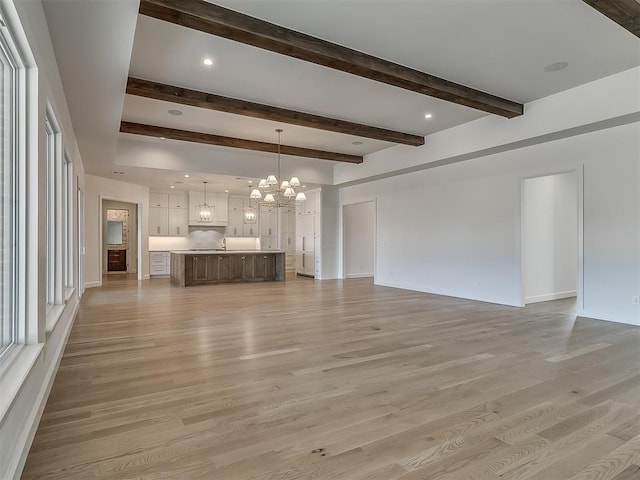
200, 267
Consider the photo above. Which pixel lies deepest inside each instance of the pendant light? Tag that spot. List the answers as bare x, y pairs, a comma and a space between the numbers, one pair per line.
205, 211
270, 193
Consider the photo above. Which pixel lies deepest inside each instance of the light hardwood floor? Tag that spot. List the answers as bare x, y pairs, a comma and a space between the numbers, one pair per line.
336, 380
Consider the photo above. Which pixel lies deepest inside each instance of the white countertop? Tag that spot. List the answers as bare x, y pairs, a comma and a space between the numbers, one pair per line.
223, 252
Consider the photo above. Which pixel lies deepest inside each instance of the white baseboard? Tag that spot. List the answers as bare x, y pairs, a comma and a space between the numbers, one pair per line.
358, 275
550, 296
608, 317
146, 277
445, 293
92, 284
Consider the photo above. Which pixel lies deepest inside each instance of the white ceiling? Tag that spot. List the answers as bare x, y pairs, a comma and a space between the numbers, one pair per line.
499, 46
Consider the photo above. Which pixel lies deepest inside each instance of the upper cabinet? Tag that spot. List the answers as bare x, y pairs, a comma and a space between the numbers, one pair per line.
167, 214
218, 201
160, 200
237, 227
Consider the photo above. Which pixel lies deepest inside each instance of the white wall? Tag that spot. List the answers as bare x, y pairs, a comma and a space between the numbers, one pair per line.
329, 242
550, 237
604, 103
455, 230
359, 239
612, 232
96, 189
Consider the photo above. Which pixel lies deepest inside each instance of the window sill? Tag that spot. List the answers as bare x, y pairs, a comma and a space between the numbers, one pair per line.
15, 366
54, 312
68, 293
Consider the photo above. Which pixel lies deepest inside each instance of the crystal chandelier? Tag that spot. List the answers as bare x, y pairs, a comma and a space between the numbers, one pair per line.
276, 195
204, 212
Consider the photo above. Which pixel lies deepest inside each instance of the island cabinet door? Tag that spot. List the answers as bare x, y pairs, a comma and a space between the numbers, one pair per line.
265, 267
195, 269
219, 268
241, 267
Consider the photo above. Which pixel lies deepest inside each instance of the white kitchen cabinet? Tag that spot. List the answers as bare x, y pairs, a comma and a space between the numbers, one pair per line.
167, 214
158, 221
235, 218
160, 200
269, 242
268, 220
178, 222
288, 230
236, 226
308, 206
250, 230
178, 200
307, 233
159, 264
220, 204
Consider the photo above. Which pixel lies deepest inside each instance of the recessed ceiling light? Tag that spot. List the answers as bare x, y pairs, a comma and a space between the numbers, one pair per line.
163, 138
304, 186
226, 191
172, 186
186, 175
250, 181
208, 62
173, 111
556, 67
428, 115
356, 143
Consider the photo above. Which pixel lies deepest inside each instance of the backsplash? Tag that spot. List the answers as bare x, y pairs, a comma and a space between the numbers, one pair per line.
198, 238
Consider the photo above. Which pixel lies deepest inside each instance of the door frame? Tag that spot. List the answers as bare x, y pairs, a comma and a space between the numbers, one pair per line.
580, 233
375, 239
101, 250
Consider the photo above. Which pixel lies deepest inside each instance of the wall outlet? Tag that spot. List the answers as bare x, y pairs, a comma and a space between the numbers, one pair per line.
635, 300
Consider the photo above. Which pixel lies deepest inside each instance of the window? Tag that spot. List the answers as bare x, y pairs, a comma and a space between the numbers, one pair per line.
55, 212
8, 168
68, 221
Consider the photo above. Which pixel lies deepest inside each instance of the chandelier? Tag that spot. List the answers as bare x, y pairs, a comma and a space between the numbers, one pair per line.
204, 212
277, 195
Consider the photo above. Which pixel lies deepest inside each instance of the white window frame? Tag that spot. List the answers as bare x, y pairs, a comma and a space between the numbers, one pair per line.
55, 221
18, 360
69, 191
10, 111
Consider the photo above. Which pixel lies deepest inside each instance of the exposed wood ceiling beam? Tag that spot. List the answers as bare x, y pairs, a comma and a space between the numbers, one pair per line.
625, 13
195, 98
210, 139
216, 20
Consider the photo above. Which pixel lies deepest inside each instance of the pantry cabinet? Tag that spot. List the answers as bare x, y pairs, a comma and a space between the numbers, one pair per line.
237, 226
308, 235
167, 214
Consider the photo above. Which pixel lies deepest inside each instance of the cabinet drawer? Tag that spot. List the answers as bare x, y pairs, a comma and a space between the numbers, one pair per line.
158, 258
158, 270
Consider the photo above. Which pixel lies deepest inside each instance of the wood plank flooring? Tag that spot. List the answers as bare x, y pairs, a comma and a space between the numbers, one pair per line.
336, 380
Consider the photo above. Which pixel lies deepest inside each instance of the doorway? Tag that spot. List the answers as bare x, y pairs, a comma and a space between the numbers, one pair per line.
359, 239
119, 237
549, 237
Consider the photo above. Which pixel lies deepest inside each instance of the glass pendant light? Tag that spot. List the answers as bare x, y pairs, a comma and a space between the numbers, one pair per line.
205, 211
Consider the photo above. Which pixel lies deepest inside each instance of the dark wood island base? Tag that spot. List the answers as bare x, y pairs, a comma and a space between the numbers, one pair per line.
200, 268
